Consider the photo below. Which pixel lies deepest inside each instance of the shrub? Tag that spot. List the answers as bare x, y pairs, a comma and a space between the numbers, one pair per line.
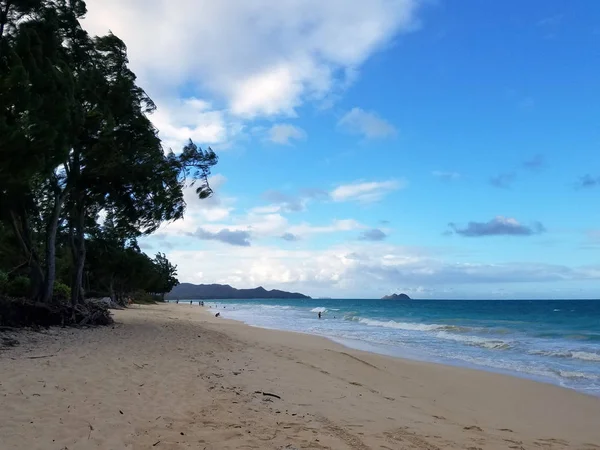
142, 297
3, 282
18, 287
62, 292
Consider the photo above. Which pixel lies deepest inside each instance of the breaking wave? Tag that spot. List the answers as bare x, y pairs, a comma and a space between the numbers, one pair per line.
475, 341
584, 356
409, 326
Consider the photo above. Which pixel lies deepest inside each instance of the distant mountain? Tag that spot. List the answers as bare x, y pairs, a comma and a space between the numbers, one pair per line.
224, 291
396, 297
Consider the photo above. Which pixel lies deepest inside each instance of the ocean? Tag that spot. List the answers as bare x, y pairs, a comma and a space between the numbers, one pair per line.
554, 341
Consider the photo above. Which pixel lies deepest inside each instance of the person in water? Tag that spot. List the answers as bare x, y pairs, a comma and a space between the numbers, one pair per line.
319, 314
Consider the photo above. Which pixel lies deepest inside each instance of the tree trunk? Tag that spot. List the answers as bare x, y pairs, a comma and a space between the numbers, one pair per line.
51, 231
20, 226
78, 244
111, 291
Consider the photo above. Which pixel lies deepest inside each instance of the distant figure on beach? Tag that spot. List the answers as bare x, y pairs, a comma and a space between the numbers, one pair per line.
217, 314
177, 301
191, 302
319, 314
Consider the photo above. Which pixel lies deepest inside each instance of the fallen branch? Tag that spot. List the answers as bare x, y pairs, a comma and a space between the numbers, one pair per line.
41, 356
26, 313
268, 394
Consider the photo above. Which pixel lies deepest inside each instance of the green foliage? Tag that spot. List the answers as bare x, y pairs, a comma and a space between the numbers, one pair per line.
143, 298
18, 287
164, 279
77, 142
62, 292
3, 282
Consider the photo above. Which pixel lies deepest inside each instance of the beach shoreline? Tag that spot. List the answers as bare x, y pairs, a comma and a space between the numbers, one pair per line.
547, 351
178, 377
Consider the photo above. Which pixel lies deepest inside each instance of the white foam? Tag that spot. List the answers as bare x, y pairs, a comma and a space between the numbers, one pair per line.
272, 306
586, 356
575, 375
319, 309
402, 325
475, 341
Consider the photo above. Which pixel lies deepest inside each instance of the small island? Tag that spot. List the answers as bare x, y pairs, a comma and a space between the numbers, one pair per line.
396, 297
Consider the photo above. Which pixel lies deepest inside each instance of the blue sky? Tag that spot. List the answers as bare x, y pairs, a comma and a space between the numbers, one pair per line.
446, 149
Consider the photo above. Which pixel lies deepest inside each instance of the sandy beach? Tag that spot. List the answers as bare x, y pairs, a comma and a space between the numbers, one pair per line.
175, 377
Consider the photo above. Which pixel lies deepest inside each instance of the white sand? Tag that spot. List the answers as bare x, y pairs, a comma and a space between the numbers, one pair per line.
174, 377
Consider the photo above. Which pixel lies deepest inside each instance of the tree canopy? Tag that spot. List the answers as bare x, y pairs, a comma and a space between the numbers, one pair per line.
83, 172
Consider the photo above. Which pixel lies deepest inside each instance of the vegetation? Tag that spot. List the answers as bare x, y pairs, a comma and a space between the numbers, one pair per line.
83, 171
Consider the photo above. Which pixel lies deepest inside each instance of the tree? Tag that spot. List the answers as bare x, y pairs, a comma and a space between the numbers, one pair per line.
165, 279
36, 111
76, 142
118, 163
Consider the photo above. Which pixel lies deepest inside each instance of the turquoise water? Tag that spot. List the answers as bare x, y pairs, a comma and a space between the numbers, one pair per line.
556, 341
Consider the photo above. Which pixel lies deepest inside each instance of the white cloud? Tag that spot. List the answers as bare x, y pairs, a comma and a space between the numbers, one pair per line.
191, 118
366, 192
251, 58
362, 269
274, 224
283, 133
216, 208
369, 124
208, 218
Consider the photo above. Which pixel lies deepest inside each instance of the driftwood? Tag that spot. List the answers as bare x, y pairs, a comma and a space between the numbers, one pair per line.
271, 395
27, 313
268, 394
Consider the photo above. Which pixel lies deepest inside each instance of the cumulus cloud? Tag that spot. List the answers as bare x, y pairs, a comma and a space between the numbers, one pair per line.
537, 162
446, 176
216, 208
367, 191
232, 237
588, 181
290, 237
252, 59
368, 124
284, 133
499, 226
178, 120
503, 180
374, 234
361, 269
